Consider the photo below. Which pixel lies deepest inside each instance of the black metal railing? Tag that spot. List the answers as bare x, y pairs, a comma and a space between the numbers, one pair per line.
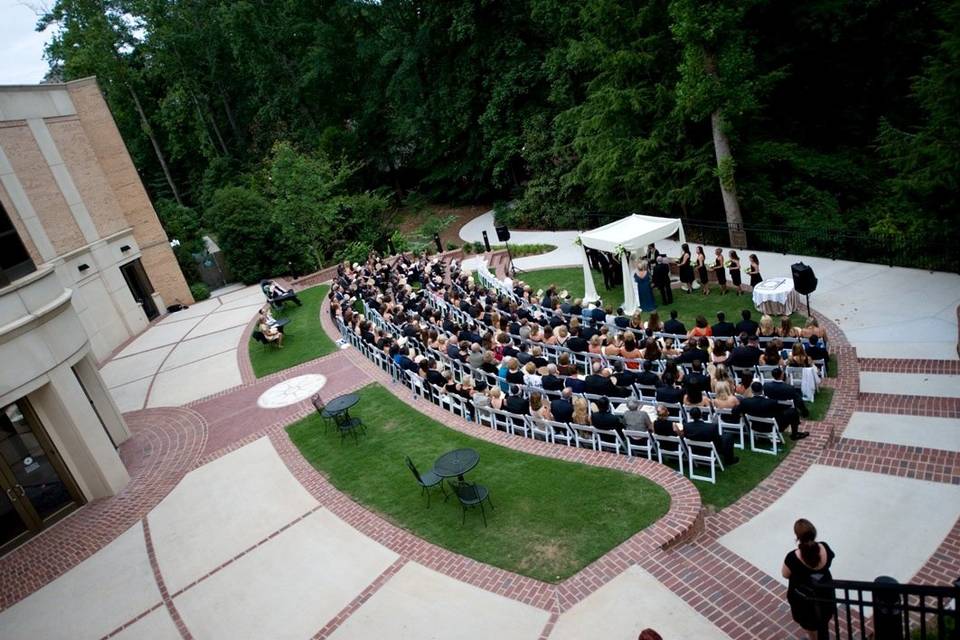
919, 251
887, 610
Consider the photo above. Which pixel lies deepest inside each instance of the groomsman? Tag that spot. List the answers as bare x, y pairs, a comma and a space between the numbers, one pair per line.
661, 279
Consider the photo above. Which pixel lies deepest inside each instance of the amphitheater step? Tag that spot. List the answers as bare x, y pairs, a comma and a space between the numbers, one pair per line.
901, 404
910, 365
906, 430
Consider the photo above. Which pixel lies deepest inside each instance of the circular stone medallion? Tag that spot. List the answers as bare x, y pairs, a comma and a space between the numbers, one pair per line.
291, 391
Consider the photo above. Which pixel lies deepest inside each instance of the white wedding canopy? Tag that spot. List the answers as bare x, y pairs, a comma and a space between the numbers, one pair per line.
631, 234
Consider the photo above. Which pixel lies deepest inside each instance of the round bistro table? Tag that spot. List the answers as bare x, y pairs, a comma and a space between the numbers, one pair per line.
453, 464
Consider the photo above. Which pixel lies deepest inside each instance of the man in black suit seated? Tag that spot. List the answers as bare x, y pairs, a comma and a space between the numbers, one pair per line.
624, 377
567, 303
621, 320
647, 377
562, 407
673, 325
597, 383
816, 350
696, 349
746, 353
668, 391
597, 314
747, 325
605, 420
516, 403
702, 431
576, 384
551, 381
723, 329
777, 389
696, 380
761, 407
576, 342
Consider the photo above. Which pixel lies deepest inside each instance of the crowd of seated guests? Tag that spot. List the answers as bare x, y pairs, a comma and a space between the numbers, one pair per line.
540, 353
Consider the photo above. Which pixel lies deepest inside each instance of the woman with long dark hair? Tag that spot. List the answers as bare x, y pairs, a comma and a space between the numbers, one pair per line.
812, 607
703, 275
734, 265
754, 270
686, 270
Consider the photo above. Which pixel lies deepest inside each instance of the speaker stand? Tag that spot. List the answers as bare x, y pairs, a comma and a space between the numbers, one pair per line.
809, 315
513, 270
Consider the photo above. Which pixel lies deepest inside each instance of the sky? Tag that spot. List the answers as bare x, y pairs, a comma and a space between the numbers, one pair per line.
21, 48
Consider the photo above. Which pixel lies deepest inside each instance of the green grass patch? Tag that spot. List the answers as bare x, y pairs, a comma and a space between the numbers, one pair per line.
739, 479
821, 403
304, 339
523, 250
551, 517
687, 305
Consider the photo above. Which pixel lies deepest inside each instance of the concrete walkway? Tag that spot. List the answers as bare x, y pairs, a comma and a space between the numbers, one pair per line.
885, 312
198, 344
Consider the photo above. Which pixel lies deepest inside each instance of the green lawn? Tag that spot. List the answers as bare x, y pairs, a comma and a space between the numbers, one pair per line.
304, 339
551, 518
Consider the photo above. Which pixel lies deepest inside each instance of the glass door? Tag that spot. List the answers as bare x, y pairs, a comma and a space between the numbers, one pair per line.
35, 483
136, 277
13, 523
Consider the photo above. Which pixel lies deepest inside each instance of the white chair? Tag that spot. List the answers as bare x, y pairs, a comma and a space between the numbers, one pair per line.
769, 430
501, 420
584, 435
728, 421
518, 424
646, 392
795, 377
539, 427
669, 447
486, 417
415, 382
561, 432
455, 404
610, 441
638, 441
699, 451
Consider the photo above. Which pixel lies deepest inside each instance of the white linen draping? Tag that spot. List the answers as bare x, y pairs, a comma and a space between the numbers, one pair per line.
776, 296
632, 234
589, 289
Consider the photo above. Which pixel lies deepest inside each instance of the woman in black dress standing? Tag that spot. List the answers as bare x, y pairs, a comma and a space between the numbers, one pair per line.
734, 264
810, 561
702, 274
754, 270
686, 270
720, 271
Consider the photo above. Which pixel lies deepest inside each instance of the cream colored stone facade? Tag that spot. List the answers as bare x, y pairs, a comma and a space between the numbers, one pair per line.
77, 202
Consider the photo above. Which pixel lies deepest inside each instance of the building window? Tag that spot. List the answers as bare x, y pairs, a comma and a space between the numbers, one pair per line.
15, 262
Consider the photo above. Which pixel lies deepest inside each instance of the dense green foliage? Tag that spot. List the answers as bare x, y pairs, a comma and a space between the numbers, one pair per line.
537, 526
838, 114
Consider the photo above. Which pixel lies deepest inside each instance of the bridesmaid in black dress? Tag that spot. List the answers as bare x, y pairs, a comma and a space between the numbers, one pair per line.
720, 271
702, 274
734, 263
755, 277
686, 271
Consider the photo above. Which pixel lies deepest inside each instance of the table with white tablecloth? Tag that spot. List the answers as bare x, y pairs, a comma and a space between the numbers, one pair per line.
776, 296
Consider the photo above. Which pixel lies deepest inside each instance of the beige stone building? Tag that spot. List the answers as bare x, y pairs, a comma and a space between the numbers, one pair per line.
84, 267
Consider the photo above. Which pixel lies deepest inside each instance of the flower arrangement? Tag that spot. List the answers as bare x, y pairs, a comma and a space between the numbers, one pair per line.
578, 242
619, 251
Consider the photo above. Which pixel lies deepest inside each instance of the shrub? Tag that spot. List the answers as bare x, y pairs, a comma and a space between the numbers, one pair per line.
467, 247
451, 246
199, 291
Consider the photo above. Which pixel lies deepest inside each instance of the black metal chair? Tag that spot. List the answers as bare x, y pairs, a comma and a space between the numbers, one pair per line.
321, 407
262, 339
472, 495
349, 426
426, 480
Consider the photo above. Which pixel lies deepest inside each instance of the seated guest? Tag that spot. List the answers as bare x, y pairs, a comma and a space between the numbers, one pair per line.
771, 354
596, 383
516, 403
552, 381
813, 328
489, 365
623, 378
698, 430
562, 407
496, 398
663, 425
673, 325
581, 411
747, 325
668, 391
536, 357
723, 329
816, 350
277, 294
652, 351
747, 354
602, 418
575, 383
700, 328
720, 354
696, 380
647, 377
744, 387
271, 333
724, 398
695, 398
564, 367
654, 323
786, 329
513, 375
621, 320
480, 397
475, 359
778, 389
799, 357
530, 376
576, 342
266, 316
634, 418
761, 407
539, 407
766, 329
697, 349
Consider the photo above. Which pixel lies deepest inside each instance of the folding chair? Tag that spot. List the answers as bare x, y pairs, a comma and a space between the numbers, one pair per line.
727, 420
584, 435
486, 417
669, 447
609, 441
764, 429
539, 427
699, 451
638, 441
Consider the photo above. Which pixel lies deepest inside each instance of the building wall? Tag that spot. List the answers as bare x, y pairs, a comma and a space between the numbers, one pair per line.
74, 195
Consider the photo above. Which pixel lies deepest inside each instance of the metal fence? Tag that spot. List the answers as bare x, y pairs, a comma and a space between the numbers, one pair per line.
887, 610
919, 251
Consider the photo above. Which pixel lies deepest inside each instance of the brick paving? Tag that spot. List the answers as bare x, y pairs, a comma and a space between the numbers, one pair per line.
680, 550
